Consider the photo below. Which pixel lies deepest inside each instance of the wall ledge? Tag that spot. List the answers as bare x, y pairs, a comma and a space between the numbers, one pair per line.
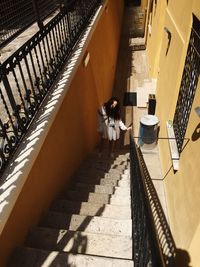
173, 146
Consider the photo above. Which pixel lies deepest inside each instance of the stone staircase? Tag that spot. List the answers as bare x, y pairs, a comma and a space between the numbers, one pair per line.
89, 224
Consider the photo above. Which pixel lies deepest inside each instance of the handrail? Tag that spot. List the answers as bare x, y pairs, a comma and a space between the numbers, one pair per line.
153, 242
28, 74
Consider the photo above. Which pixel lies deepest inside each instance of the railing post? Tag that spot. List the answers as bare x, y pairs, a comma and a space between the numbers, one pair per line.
61, 4
39, 22
11, 98
66, 6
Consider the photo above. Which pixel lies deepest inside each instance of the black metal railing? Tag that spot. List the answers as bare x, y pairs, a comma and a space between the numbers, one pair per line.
26, 76
17, 15
188, 85
153, 244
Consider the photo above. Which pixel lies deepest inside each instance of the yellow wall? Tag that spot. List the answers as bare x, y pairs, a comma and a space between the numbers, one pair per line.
104, 54
190, 183
183, 187
183, 192
73, 134
144, 3
156, 20
171, 67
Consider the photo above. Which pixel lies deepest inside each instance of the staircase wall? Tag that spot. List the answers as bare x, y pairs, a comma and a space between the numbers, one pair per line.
72, 134
155, 27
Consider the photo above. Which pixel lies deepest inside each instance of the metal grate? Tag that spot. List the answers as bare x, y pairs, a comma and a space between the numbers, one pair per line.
17, 15
188, 85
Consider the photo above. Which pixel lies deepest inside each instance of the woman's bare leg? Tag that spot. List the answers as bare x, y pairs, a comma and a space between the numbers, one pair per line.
111, 147
101, 145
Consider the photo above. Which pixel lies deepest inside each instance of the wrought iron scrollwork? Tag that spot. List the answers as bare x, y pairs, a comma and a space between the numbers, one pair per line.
188, 85
27, 75
153, 242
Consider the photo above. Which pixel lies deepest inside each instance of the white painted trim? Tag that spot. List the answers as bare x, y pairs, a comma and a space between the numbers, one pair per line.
17, 173
173, 146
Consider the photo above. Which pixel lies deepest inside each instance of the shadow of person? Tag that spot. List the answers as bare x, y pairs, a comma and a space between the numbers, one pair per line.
80, 243
182, 258
196, 133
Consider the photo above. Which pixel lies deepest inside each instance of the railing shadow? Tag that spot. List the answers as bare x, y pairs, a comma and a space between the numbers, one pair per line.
22, 155
27, 76
76, 242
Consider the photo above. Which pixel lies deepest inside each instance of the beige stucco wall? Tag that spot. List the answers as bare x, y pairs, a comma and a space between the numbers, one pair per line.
154, 33
183, 187
73, 133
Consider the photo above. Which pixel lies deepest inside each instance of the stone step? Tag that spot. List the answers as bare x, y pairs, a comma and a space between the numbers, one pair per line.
104, 160
92, 224
30, 257
97, 164
97, 198
91, 209
122, 191
80, 242
99, 173
120, 183
103, 184
112, 181
96, 176
119, 154
114, 174
109, 168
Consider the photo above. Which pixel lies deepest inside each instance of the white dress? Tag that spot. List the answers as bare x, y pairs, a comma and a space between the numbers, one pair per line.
108, 127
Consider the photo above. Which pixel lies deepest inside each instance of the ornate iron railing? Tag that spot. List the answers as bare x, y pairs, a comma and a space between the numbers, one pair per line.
153, 245
26, 76
188, 86
17, 15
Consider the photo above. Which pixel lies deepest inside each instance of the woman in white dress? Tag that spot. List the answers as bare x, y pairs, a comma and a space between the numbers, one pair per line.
110, 123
